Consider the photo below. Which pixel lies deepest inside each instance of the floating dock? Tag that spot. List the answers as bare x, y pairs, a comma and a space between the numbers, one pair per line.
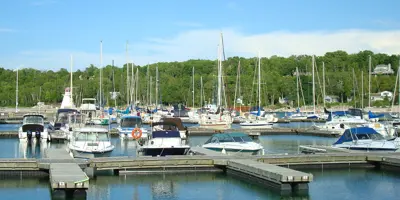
66, 176
274, 171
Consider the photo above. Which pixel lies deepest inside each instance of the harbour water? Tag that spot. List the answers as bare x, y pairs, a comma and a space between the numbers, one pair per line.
327, 184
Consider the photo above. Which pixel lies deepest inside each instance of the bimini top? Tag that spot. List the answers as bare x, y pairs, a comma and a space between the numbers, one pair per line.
130, 117
229, 137
359, 133
166, 134
67, 110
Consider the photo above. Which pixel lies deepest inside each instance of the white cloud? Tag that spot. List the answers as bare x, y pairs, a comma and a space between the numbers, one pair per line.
202, 44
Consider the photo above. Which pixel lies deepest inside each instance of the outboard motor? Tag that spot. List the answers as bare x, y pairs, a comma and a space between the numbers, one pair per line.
37, 135
29, 134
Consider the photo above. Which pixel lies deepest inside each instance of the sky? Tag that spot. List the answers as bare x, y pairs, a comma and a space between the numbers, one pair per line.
43, 34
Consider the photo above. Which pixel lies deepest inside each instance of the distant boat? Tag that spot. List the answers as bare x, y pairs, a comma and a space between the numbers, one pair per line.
131, 127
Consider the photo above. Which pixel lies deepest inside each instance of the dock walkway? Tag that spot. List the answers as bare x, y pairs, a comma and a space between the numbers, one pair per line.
65, 175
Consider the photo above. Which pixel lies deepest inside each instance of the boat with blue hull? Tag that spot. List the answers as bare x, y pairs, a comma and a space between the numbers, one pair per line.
365, 139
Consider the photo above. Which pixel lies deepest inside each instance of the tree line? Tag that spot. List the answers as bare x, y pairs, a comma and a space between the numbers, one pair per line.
175, 80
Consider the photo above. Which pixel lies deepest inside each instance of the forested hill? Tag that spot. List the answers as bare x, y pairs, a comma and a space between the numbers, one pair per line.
175, 79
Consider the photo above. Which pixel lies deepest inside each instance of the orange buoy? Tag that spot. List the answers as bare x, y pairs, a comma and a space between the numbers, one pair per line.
136, 133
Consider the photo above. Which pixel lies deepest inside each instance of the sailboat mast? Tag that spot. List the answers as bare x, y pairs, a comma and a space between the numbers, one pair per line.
323, 81
193, 86
369, 82
137, 85
362, 89
150, 89
114, 95
132, 82
313, 82
219, 77
398, 109
72, 103
157, 85
354, 89
127, 74
101, 73
16, 93
259, 80
297, 80
236, 86
201, 91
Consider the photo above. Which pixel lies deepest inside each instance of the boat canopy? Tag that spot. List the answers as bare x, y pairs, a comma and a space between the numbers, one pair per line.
170, 123
131, 121
359, 133
166, 134
229, 137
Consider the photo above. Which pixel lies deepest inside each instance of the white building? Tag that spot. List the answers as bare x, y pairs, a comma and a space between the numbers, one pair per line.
383, 69
331, 99
381, 96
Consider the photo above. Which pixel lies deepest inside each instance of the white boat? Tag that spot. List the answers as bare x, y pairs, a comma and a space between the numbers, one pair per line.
131, 127
216, 121
164, 142
171, 123
256, 124
233, 144
33, 127
90, 142
365, 139
88, 107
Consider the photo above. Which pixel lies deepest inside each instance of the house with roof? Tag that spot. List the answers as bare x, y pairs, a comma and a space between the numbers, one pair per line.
331, 99
381, 96
383, 69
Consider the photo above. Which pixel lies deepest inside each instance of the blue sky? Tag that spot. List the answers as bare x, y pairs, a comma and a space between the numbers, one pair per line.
43, 33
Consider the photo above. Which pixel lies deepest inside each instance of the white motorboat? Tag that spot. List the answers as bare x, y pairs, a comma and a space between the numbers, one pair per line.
233, 144
365, 139
33, 127
165, 142
256, 124
131, 128
171, 123
90, 142
216, 121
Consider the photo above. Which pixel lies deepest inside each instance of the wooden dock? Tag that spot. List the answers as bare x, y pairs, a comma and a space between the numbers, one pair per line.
274, 170
65, 175
277, 177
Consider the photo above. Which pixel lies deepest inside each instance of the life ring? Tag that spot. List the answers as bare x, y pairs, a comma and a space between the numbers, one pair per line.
136, 133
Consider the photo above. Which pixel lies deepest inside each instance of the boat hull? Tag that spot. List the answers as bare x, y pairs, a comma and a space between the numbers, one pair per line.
90, 154
229, 151
164, 151
255, 126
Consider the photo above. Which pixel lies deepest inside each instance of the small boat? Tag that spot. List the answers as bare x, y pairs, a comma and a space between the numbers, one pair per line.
233, 144
164, 142
90, 142
365, 139
33, 127
255, 123
131, 127
61, 118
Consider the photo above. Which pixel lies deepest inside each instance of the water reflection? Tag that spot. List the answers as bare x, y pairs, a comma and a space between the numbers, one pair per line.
31, 149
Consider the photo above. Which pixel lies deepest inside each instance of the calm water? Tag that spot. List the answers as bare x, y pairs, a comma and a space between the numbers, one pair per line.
344, 184
328, 184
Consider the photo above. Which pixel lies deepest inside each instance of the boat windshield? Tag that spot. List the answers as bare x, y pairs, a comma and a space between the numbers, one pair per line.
33, 120
131, 122
369, 136
92, 136
76, 119
63, 117
242, 139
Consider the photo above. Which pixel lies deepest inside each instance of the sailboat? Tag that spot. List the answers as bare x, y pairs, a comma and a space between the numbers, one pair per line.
257, 123
219, 120
314, 115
